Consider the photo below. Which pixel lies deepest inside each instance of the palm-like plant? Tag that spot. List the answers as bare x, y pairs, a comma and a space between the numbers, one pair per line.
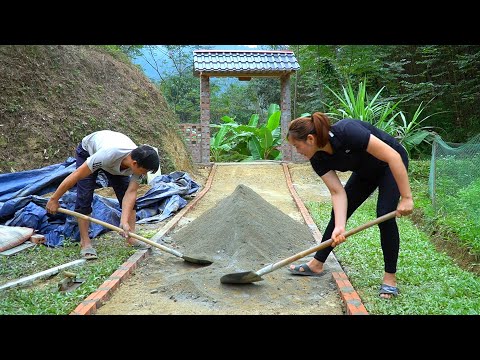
358, 106
410, 133
383, 114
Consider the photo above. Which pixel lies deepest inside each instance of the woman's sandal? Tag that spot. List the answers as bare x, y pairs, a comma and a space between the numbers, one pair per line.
306, 271
389, 290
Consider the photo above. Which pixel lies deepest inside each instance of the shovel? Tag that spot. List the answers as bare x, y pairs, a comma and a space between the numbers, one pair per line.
248, 277
141, 238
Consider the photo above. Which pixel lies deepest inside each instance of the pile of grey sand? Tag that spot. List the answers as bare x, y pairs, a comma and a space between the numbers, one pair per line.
243, 232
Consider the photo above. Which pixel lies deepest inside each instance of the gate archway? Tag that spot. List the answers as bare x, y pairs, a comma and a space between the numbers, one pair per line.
244, 65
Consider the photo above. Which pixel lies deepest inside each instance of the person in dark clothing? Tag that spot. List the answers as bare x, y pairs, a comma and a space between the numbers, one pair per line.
125, 165
376, 160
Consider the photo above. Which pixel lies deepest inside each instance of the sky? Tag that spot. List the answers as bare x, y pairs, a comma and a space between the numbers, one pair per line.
147, 69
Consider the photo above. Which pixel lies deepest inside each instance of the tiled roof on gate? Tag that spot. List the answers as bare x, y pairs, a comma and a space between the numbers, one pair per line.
238, 62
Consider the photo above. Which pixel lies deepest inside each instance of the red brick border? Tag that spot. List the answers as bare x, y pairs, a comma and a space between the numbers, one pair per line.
96, 299
350, 297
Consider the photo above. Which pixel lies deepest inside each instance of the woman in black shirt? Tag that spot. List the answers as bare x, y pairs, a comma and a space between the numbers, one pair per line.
377, 160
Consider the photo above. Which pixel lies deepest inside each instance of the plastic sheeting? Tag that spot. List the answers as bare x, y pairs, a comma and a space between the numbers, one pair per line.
37, 181
21, 203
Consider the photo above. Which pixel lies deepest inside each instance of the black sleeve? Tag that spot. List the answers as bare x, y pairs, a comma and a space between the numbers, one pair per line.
356, 136
319, 166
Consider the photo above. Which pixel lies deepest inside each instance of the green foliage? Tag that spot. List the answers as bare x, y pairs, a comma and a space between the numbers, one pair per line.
263, 92
359, 106
237, 99
248, 142
384, 114
124, 53
456, 223
470, 196
413, 73
181, 92
450, 74
332, 66
457, 198
131, 51
220, 143
177, 82
410, 132
264, 139
457, 220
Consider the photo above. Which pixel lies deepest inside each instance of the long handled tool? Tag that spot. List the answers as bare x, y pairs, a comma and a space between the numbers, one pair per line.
248, 277
141, 238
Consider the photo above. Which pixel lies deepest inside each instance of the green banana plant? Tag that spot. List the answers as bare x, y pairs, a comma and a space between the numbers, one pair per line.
248, 142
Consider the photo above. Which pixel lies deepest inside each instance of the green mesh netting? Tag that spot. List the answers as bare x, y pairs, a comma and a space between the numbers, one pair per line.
454, 182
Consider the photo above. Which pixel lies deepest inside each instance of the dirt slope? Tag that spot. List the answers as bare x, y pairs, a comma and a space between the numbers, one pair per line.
51, 96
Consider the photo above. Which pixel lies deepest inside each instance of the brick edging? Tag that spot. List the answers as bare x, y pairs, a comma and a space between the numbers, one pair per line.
96, 299
350, 297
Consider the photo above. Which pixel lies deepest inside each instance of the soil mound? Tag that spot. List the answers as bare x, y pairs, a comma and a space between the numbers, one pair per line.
243, 229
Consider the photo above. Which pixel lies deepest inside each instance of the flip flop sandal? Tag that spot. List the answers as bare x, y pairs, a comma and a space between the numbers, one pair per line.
89, 253
388, 289
306, 271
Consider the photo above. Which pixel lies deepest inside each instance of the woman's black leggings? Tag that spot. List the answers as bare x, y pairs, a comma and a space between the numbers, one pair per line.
358, 190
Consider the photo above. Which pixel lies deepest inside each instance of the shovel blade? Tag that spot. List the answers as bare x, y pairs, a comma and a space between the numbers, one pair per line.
197, 261
245, 277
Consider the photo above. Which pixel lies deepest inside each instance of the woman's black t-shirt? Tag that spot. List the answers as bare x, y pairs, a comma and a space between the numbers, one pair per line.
349, 139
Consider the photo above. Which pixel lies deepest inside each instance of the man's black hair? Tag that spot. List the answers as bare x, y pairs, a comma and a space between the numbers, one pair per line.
146, 157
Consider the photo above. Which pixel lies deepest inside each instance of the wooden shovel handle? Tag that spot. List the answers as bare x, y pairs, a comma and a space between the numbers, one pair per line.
116, 228
324, 244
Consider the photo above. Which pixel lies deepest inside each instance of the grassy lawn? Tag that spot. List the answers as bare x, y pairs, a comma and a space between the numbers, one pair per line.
429, 281
43, 296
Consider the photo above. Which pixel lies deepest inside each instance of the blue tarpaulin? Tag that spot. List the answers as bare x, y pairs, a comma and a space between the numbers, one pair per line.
22, 204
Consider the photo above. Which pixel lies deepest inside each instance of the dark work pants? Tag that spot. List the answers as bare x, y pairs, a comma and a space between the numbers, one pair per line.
358, 190
86, 186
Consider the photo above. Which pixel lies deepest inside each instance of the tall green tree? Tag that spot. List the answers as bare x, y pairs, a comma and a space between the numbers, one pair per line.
412, 73
235, 100
174, 67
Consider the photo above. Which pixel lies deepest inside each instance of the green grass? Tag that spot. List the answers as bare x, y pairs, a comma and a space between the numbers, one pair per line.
457, 194
453, 224
429, 281
43, 297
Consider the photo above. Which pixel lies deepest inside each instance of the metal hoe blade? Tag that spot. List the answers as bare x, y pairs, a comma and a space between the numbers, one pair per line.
197, 261
246, 277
